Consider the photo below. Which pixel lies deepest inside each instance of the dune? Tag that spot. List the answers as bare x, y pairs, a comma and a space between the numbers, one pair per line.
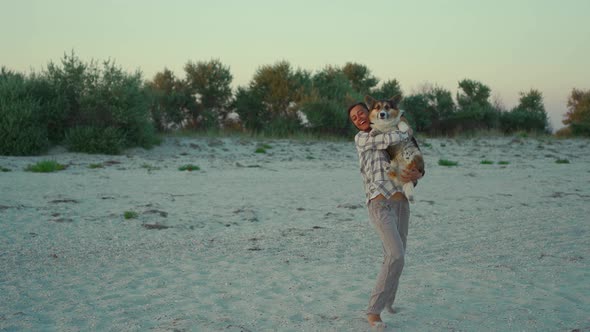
281, 240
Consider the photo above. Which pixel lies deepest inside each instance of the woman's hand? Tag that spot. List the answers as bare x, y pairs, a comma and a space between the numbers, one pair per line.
411, 175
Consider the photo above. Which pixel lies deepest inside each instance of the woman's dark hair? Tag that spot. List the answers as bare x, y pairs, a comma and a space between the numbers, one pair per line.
355, 105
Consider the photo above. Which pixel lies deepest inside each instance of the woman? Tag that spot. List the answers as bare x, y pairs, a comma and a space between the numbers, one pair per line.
389, 210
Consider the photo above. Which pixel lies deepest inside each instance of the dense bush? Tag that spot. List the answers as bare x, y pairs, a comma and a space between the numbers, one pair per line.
107, 140
249, 106
53, 106
360, 77
388, 89
101, 98
210, 81
578, 115
474, 110
22, 129
169, 100
271, 102
285, 126
522, 120
529, 115
431, 111
327, 117
331, 83
416, 110
331, 93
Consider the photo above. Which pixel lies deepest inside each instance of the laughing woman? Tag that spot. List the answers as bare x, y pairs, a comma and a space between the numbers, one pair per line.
389, 210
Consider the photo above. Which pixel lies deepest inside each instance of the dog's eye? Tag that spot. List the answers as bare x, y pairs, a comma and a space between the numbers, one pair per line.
387, 107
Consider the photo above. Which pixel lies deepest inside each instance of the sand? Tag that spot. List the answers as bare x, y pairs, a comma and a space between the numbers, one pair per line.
281, 240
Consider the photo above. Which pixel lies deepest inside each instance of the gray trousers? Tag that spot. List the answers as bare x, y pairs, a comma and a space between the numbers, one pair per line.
390, 219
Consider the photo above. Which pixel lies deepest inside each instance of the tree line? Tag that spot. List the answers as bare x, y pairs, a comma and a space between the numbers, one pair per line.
97, 107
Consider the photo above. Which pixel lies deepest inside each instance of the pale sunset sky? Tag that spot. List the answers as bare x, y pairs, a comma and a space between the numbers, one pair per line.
509, 45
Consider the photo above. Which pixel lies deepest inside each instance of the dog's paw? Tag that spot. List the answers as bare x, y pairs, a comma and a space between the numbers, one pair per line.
374, 132
379, 325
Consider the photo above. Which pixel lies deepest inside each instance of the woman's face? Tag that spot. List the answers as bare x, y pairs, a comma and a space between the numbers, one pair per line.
360, 118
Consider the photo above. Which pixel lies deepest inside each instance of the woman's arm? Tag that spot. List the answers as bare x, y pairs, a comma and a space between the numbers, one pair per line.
365, 141
412, 175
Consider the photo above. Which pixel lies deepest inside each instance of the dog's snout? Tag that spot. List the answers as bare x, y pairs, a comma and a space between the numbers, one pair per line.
382, 114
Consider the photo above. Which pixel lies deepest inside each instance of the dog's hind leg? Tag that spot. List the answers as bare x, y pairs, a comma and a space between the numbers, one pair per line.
409, 191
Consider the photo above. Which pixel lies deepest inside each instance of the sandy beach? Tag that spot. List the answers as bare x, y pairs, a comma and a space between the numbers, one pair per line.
280, 241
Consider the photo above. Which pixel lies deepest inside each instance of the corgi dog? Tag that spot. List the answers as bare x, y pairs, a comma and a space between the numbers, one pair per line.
385, 116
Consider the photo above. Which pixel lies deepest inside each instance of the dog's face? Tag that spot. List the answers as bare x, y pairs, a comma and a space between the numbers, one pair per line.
383, 114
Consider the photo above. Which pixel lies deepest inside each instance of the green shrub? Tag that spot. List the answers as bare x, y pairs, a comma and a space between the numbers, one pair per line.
118, 100
4, 169
93, 166
562, 161
168, 98
53, 105
283, 127
45, 166
130, 214
95, 140
326, 117
487, 162
22, 131
502, 162
249, 105
444, 162
189, 167
260, 150
102, 97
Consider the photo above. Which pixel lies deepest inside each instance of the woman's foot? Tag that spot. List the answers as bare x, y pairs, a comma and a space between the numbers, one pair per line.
375, 320
390, 309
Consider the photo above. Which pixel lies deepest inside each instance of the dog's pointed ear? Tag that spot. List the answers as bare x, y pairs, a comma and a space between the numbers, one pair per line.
369, 101
395, 101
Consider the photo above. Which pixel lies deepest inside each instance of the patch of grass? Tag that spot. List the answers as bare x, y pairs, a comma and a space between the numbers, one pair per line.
262, 147
562, 161
189, 167
93, 166
427, 145
487, 162
150, 167
503, 162
449, 163
45, 166
130, 214
4, 169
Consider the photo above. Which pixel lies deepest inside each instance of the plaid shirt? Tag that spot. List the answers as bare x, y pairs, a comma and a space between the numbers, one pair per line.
374, 161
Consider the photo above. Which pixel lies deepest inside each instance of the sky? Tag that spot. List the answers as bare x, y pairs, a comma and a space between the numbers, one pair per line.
512, 46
